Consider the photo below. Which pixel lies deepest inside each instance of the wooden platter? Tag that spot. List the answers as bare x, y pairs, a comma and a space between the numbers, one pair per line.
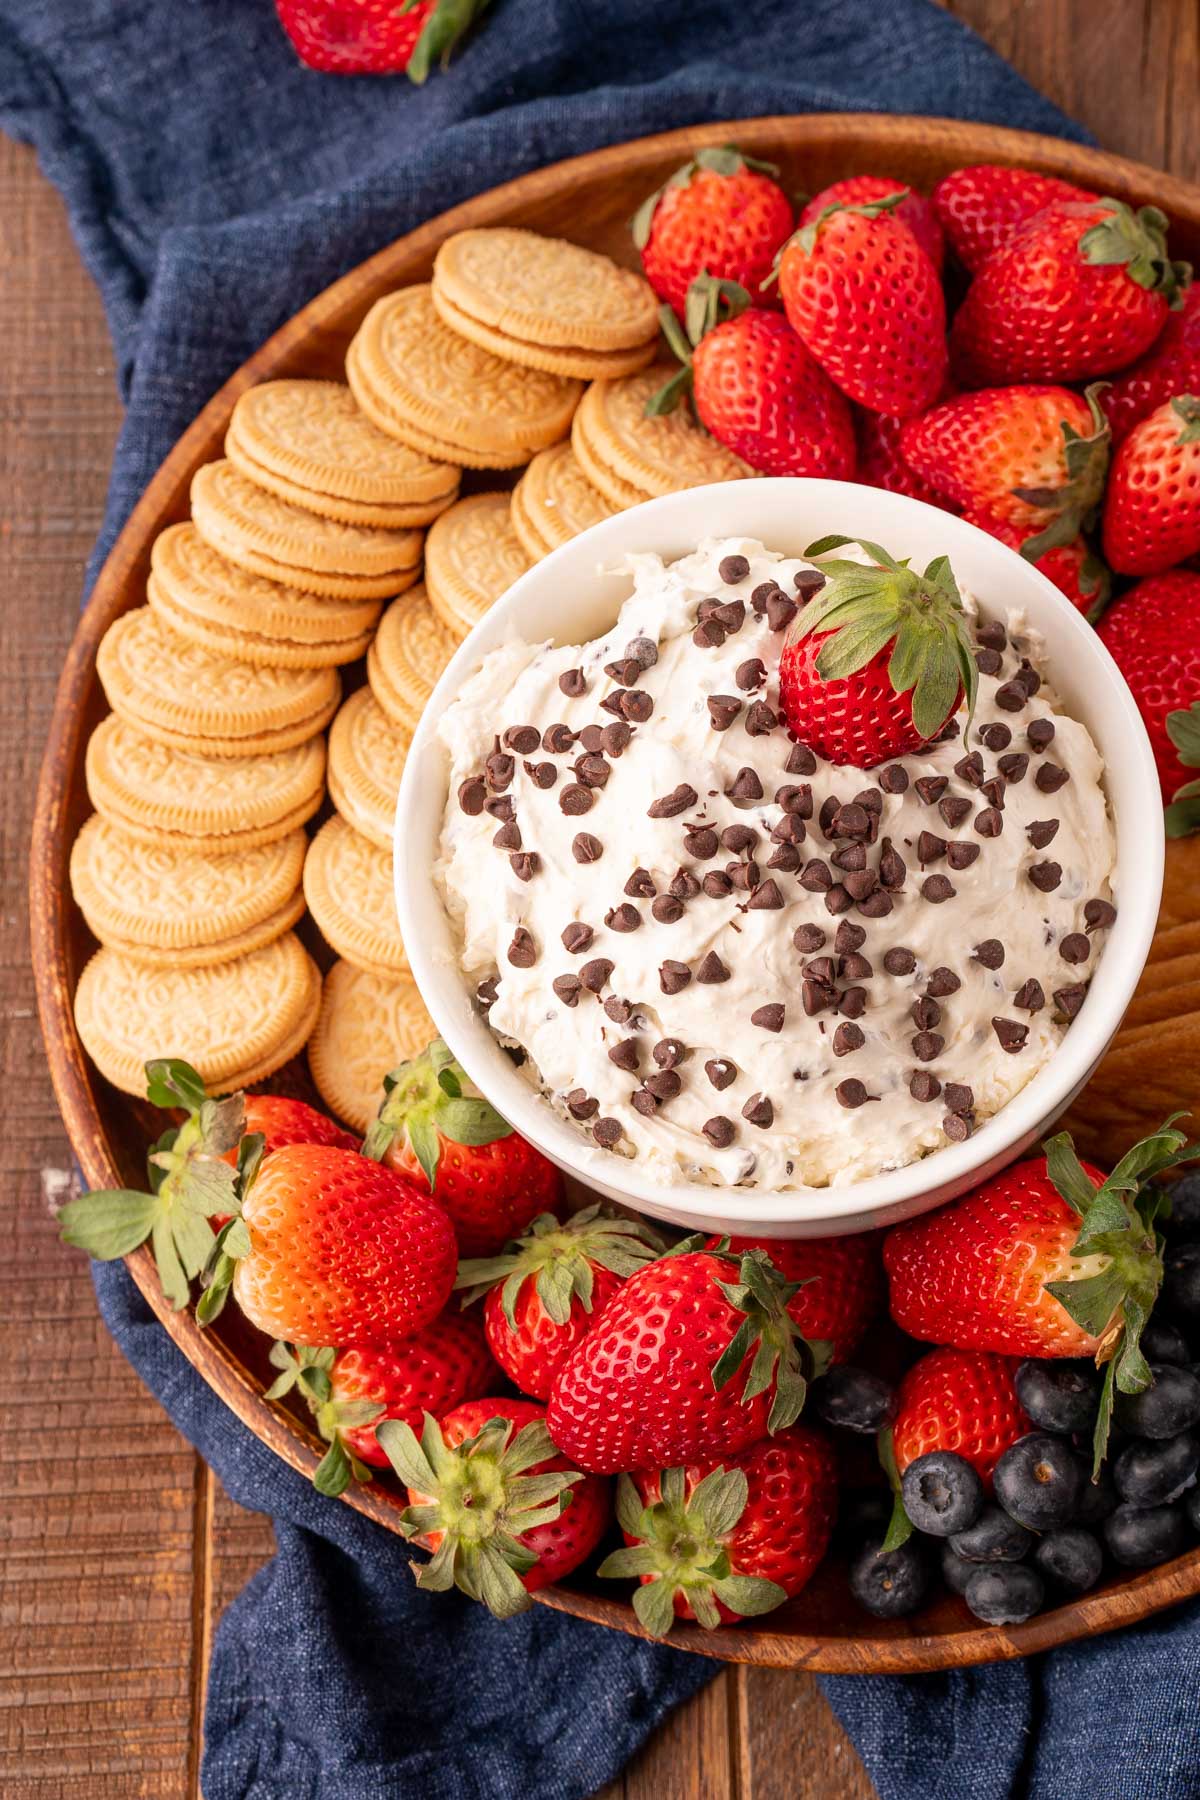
590, 200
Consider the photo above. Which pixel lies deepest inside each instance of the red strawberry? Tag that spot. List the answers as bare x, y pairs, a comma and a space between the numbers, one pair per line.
876, 663
721, 214
726, 1540
881, 461
282, 1121
377, 37
1028, 455
1171, 367
1081, 289
841, 1284
545, 1292
694, 1358
503, 1513
959, 1400
1152, 506
1153, 634
861, 292
435, 1129
330, 1248
350, 1391
981, 207
1074, 568
915, 210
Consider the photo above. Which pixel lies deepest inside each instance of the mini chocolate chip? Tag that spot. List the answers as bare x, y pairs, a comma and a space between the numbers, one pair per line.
636, 706
617, 737
893, 779
721, 1072
576, 937
732, 569
766, 897
956, 1127
716, 884
954, 810
744, 875
1075, 948
584, 847
1011, 697
852, 857
525, 864
1030, 996
817, 997
618, 1009
607, 1133
702, 843
508, 837
808, 582
1014, 766
848, 938
760, 719
524, 739
723, 709
820, 968
930, 848
665, 1085
877, 905
592, 738
851, 1094
790, 829
988, 662
761, 594
573, 683
673, 976
1099, 915
942, 982
801, 761
558, 739
989, 823
745, 787
543, 774
623, 918
568, 988
924, 1085
871, 798
751, 674
992, 634
1012, 1037
643, 650
642, 1101
853, 967
472, 795
838, 899
808, 938
667, 909
719, 1131
683, 885
625, 1054
780, 610
759, 1111
613, 703
624, 670
522, 952
739, 837
1028, 677
594, 974
669, 1052
899, 961
990, 953
1069, 999
930, 788
852, 1002
848, 1038
996, 736
815, 877
936, 888
501, 807
958, 1096
640, 885
850, 821
1046, 876
712, 969
487, 993
709, 634
960, 855
575, 799
1040, 732
993, 791
893, 870
786, 859
927, 1046
580, 1104
769, 1017
593, 769
970, 769
500, 770
860, 884
1042, 832
672, 804
731, 614
926, 1013
1050, 777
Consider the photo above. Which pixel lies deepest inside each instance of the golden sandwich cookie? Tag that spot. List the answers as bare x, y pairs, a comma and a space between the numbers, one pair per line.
349, 886
623, 451
368, 1024
411, 648
554, 501
366, 761
472, 556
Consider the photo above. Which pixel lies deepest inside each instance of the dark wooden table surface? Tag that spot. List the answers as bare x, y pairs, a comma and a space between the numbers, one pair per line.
118, 1549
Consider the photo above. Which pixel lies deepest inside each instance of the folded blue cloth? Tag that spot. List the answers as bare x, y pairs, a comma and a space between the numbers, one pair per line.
214, 185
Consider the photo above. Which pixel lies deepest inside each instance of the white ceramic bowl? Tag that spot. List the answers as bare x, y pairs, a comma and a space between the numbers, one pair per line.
570, 597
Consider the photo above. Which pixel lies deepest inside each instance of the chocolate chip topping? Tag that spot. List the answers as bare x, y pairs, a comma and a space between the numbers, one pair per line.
936, 888
817, 997
640, 885
607, 1133
894, 779
522, 952
594, 974
990, 953
568, 989
618, 1009
745, 787
593, 769
780, 610
927, 1046
524, 739
808, 582
613, 703
801, 761
673, 976
667, 909
719, 1131
732, 615
739, 837
769, 1017
542, 774
851, 1093
1011, 1035
716, 884
573, 683
508, 837
672, 804
930, 788
525, 864
1069, 999
994, 790
852, 1002
1042, 832
642, 1101
623, 918
1030, 996
472, 795
502, 807
576, 937
712, 969
487, 993
926, 1013
1099, 915
992, 634
766, 897
808, 938
703, 842
723, 709
636, 706
954, 809
815, 877
669, 1052
855, 967
786, 859
584, 847
1011, 697
1045, 876
848, 938
575, 799
1014, 766
930, 848
683, 885
751, 674
958, 1096
709, 634
795, 797
580, 1104
500, 769
876, 906
899, 961
960, 855
625, 1054
989, 823
790, 829
760, 596
664, 1086
760, 719
924, 1085
848, 1038
759, 1111
838, 899
617, 737
996, 736
988, 662
1075, 948
721, 1072
942, 983
956, 1127
970, 769
1050, 777
733, 569
1040, 732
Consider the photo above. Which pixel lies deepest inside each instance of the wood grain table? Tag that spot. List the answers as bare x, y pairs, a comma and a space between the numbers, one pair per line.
118, 1549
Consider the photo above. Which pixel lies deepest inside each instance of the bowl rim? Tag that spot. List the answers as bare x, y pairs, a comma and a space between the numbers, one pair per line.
1139, 831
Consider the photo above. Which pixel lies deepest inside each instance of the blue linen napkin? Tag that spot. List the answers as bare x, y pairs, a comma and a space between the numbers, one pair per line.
214, 185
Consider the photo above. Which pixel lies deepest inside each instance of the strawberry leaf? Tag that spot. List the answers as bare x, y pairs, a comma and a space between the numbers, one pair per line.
1138, 243
1187, 408
1183, 729
332, 1474
900, 1526
109, 1223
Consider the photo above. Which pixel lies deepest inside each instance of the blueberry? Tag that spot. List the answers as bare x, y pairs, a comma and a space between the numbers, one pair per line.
1140, 1536
1038, 1481
1005, 1595
1184, 1221
1156, 1472
1164, 1343
890, 1583
855, 1400
1181, 1282
1097, 1499
993, 1538
1170, 1404
942, 1493
956, 1571
1059, 1396
1071, 1559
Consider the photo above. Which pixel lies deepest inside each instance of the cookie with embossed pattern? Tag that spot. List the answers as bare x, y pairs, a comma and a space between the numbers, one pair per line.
410, 650
554, 501
217, 805
431, 387
198, 699
367, 1025
656, 455
366, 761
235, 1022
472, 556
349, 886
585, 365
543, 293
